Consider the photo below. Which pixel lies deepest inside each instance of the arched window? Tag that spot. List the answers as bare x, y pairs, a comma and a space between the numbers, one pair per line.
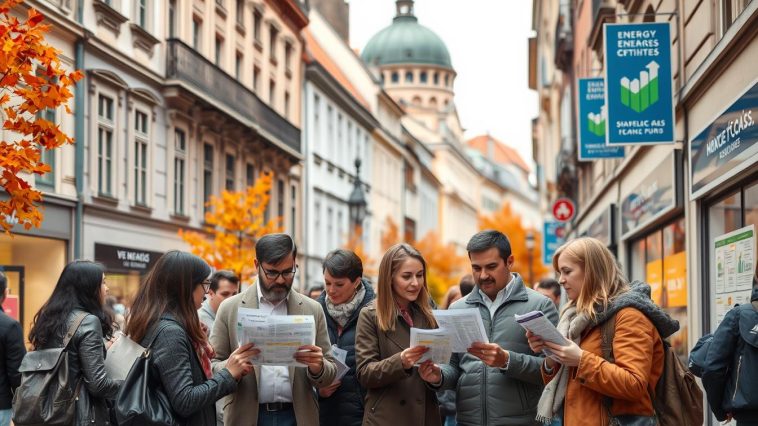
422, 77
395, 77
447, 102
436, 79
433, 102
417, 100
409, 76
447, 80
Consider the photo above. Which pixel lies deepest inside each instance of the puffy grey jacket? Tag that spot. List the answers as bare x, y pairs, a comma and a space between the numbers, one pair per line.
494, 396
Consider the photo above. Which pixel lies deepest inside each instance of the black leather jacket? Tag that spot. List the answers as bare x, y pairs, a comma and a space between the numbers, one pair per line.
87, 361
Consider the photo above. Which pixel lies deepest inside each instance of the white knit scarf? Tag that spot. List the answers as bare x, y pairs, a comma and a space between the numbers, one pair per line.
343, 312
572, 326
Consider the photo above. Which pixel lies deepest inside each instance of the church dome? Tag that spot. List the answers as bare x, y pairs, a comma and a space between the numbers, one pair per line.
406, 42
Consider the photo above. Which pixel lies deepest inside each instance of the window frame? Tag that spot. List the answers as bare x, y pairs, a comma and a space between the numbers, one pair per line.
141, 157
180, 184
106, 125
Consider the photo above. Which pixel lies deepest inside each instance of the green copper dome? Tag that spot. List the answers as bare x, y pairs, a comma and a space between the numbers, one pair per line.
406, 42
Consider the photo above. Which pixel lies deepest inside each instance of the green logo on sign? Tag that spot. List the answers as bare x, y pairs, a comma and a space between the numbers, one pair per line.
596, 122
640, 93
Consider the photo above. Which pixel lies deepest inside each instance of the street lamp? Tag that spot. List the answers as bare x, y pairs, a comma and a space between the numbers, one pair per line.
357, 200
530, 251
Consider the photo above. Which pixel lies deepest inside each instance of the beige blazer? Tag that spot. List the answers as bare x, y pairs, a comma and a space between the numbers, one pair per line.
242, 406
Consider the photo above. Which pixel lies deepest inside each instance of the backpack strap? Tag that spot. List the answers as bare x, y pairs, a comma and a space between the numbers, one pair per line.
78, 318
607, 330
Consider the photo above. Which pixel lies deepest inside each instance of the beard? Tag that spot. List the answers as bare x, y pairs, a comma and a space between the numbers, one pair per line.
274, 292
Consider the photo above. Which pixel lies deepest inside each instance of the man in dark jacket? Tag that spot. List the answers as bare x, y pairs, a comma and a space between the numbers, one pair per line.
731, 364
12, 351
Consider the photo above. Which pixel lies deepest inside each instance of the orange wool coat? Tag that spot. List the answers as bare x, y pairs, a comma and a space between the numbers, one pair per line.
638, 353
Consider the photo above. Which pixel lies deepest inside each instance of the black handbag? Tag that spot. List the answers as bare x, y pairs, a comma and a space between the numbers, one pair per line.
141, 399
47, 395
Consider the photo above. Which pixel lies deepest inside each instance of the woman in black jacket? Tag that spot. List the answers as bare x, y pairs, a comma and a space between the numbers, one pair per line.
80, 289
168, 302
345, 294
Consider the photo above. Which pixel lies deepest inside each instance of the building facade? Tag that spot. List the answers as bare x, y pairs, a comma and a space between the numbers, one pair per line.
664, 209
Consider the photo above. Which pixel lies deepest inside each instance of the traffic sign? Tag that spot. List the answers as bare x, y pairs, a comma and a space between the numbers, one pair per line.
563, 210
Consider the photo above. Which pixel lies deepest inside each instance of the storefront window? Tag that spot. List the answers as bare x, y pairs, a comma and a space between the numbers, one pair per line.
33, 265
660, 260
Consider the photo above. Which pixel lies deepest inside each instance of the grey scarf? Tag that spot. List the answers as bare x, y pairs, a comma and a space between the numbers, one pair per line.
343, 312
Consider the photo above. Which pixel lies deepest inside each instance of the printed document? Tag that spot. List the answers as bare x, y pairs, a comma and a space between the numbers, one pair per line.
439, 342
340, 357
538, 324
464, 325
277, 336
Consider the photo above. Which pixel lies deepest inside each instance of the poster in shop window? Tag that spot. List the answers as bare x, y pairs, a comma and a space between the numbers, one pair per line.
734, 268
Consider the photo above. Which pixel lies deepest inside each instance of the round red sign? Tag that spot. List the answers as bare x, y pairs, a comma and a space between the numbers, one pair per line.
563, 210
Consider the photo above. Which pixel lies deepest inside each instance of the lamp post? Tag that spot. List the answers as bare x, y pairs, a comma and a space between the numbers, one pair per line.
357, 200
530, 251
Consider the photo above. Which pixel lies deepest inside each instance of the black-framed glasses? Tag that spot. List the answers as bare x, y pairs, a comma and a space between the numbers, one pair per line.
206, 285
274, 275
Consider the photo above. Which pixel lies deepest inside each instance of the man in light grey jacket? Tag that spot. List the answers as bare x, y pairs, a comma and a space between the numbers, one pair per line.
500, 381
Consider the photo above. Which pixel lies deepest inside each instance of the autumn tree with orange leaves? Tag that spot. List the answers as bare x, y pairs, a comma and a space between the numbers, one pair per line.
32, 81
444, 265
236, 220
510, 224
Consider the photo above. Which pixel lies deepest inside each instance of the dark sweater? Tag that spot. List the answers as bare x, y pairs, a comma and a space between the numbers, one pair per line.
12, 351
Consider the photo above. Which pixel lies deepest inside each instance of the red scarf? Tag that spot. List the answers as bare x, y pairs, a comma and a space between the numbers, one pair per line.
406, 315
205, 353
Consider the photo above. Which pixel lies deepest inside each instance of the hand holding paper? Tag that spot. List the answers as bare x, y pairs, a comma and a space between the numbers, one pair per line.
536, 323
438, 342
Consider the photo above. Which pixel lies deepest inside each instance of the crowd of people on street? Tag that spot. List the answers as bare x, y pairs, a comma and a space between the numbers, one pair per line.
195, 370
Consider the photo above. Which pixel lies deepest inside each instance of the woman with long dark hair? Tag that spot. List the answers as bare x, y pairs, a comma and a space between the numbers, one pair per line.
167, 303
80, 289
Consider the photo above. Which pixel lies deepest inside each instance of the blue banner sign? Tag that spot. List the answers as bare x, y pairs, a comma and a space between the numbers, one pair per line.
721, 149
592, 122
638, 85
552, 237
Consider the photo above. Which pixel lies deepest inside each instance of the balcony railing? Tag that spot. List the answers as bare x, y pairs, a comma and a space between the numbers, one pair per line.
188, 66
603, 12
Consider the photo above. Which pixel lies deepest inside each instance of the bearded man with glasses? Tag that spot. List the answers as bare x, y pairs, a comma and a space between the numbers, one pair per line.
275, 395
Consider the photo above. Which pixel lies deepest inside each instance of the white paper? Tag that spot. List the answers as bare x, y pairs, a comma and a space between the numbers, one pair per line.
340, 357
277, 336
734, 254
439, 342
538, 324
465, 327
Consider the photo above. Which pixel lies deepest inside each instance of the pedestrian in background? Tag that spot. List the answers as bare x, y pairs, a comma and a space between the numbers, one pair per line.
729, 373
12, 351
80, 290
275, 395
581, 380
315, 292
165, 309
396, 394
347, 292
224, 284
504, 370
551, 289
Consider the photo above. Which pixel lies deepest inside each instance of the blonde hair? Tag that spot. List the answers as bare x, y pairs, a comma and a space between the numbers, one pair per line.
603, 280
386, 307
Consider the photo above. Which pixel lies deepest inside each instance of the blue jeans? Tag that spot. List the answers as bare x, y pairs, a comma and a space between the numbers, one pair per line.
5, 417
450, 421
276, 418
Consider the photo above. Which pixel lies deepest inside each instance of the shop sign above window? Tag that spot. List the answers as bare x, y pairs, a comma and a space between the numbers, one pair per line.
727, 146
122, 259
656, 196
603, 226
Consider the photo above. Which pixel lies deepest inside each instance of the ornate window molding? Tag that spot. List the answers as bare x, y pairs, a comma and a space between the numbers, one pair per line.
142, 39
108, 17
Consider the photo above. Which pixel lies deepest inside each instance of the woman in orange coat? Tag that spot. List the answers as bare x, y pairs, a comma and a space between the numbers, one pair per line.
582, 388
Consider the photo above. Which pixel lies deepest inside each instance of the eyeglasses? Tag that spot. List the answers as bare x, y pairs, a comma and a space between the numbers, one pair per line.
206, 285
274, 275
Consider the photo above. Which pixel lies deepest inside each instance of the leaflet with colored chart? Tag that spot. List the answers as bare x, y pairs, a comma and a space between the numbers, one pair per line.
539, 325
464, 325
439, 342
277, 336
